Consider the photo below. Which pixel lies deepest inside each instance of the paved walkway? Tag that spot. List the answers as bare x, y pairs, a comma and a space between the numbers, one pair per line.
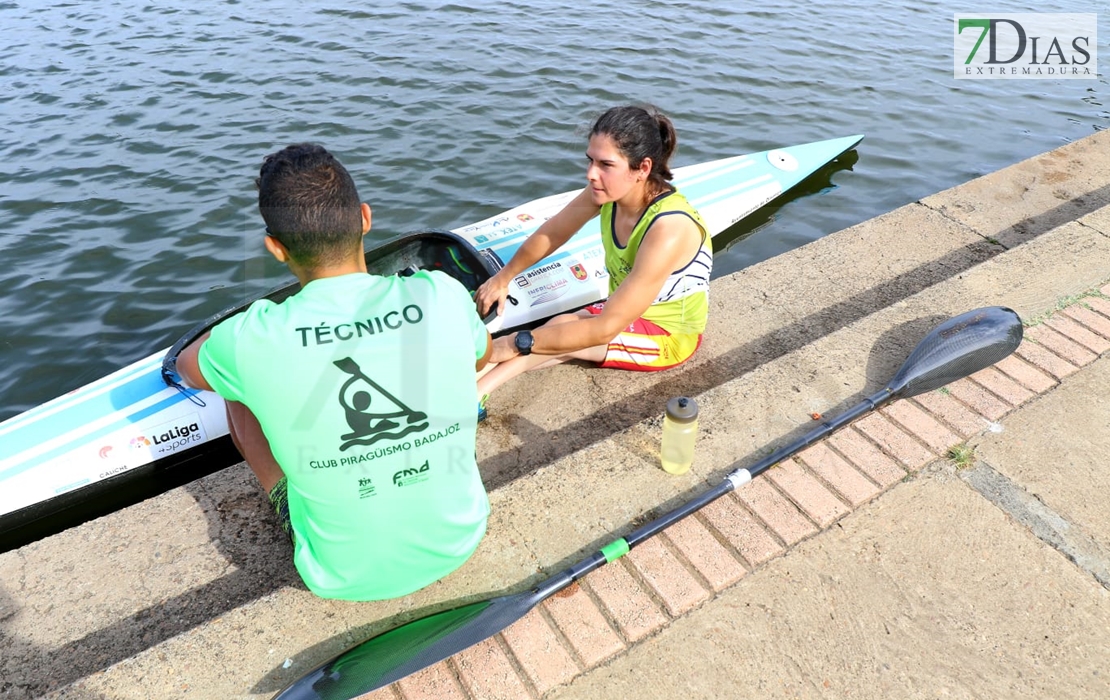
671, 622
869, 566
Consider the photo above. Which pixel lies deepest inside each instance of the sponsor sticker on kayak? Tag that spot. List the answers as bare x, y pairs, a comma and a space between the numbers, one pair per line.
548, 292
1025, 46
171, 436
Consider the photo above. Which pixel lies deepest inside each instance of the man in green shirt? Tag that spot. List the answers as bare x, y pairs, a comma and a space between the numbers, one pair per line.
352, 400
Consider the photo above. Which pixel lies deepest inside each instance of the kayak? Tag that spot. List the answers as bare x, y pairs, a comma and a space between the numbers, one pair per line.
137, 432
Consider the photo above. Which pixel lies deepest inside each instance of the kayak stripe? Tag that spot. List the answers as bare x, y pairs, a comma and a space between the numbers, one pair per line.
732, 191
106, 403
84, 394
111, 427
685, 183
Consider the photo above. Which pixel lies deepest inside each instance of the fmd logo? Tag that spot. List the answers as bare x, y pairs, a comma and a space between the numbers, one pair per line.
1027, 46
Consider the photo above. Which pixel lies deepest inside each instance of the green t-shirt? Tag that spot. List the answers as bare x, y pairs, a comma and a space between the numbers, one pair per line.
365, 388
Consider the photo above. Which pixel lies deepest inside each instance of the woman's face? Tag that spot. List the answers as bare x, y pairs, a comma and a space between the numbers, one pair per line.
608, 173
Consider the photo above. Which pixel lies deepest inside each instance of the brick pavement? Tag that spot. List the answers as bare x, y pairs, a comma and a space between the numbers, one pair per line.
620, 605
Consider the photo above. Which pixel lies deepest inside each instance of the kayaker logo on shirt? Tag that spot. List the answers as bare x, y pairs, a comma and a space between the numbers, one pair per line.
1030, 46
373, 413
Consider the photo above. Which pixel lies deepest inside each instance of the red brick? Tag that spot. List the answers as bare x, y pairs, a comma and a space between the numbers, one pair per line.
1076, 332
715, 563
536, 646
1096, 322
1045, 359
1002, 386
957, 416
922, 426
1106, 290
838, 473
894, 441
584, 625
741, 530
1066, 348
812, 497
782, 516
433, 683
675, 586
1099, 304
487, 672
979, 399
627, 603
869, 459
1026, 374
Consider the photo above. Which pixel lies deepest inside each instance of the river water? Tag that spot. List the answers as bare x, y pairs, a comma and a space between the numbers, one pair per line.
131, 133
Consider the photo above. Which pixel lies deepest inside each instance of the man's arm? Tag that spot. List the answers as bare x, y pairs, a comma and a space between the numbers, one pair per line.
484, 359
188, 365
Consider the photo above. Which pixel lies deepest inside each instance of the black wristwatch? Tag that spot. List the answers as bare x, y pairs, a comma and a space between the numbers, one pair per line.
524, 342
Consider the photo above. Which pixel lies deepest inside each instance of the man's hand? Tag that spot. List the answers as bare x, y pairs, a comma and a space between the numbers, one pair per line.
495, 290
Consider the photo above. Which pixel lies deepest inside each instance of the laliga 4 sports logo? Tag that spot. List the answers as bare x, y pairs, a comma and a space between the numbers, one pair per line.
170, 436
1026, 46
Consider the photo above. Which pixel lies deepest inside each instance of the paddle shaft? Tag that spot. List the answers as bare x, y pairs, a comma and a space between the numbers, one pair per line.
735, 479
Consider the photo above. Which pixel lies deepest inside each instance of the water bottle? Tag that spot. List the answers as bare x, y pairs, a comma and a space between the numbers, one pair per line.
680, 428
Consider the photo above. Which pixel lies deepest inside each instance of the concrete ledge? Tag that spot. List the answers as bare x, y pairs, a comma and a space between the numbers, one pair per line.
1020, 202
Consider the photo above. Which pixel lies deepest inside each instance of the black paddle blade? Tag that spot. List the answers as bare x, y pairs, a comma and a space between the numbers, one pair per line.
960, 346
404, 650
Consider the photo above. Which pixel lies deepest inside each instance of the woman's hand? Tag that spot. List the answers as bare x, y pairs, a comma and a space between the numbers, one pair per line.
503, 349
495, 290
548, 238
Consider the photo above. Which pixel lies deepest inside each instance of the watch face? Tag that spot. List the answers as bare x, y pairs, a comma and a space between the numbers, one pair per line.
524, 342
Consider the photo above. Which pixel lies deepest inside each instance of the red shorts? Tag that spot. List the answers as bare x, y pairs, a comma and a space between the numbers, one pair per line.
645, 347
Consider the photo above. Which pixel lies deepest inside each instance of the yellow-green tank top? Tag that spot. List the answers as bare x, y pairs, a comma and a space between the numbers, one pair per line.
682, 305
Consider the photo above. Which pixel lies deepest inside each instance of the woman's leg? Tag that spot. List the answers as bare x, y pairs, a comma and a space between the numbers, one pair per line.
496, 375
247, 435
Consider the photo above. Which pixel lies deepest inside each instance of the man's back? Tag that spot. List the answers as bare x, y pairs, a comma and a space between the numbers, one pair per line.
364, 388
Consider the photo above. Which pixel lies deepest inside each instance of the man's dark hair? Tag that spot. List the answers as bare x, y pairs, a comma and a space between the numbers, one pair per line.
309, 203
